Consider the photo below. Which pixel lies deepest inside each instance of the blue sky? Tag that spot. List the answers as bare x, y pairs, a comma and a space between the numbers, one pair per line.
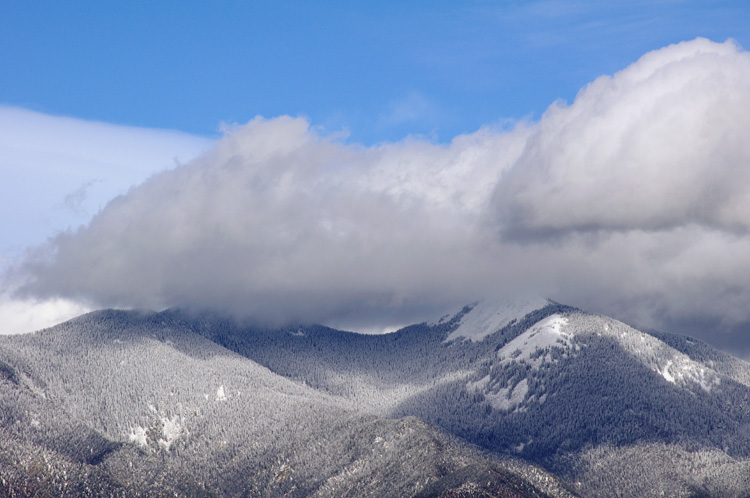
380, 70
591, 152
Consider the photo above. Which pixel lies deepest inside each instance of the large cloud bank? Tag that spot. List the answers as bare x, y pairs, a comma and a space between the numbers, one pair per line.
633, 200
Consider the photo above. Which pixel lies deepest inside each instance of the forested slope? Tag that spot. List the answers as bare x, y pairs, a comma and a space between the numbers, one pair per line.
548, 386
128, 403
121, 403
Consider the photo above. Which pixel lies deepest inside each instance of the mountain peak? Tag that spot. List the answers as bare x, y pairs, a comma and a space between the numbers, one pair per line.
488, 316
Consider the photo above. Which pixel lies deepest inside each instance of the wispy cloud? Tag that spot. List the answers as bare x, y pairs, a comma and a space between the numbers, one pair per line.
414, 107
58, 171
74, 201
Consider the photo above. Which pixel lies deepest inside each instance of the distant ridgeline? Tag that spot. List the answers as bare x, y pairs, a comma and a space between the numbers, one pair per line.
524, 398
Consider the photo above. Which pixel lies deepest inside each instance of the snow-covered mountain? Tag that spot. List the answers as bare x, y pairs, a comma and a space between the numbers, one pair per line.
489, 316
515, 398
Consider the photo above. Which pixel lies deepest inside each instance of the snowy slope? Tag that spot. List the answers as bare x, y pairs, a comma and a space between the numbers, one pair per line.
158, 399
550, 332
487, 317
662, 359
282, 409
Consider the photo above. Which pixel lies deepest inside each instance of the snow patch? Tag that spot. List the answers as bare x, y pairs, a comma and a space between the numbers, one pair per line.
171, 430
686, 370
161, 434
220, 394
666, 374
507, 399
487, 317
138, 436
546, 333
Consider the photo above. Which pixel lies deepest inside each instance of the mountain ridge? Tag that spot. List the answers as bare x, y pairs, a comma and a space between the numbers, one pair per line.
308, 410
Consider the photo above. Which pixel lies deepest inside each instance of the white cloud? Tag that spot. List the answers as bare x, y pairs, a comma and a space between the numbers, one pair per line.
633, 200
19, 316
282, 224
659, 145
57, 172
